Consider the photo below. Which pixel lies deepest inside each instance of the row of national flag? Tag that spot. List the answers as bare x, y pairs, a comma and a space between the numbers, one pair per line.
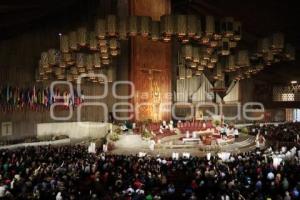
39, 99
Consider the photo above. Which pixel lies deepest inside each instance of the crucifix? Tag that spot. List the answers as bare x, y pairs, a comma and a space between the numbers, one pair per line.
154, 85
151, 71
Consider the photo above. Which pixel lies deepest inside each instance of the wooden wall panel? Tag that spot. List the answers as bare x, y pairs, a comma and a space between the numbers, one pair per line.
151, 65
153, 8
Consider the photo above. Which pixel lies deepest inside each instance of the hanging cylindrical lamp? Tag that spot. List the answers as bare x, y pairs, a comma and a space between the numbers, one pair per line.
52, 56
289, 52
229, 31
69, 58
89, 62
205, 53
58, 70
104, 56
103, 49
123, 29
155, 31
100, 28
111, 74
218, 71
277, 41
217, 35
210, 65
242, 58
213, 43
82, 36
91, 71
61, 63
81, 70
214, 57
210, 25
80, 58
92, 41
167, 26
189, 73
102, 43
198, 34
232, 44
269, 57
69, 77
145, 26
181, 71
187, 51
75, 77
45, 77
196, 55
259, 67
231, 62
192, 64
111, 23
105, 61
263, 45
237, 29
73, 40
40, 68
132, 26
48, 70
200, 67
203, 62
64, 43
44, 60
198, 73
191, 25
97, 60
225, 63
225, 51
60, 76
113, 43
74, 70
181, 25
114, 52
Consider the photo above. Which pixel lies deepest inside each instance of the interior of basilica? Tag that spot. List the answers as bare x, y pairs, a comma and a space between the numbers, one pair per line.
149, 99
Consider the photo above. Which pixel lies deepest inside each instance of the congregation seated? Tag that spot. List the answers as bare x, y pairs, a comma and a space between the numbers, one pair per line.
70, 172
287, 132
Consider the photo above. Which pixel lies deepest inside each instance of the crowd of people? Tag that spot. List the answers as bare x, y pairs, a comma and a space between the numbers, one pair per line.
70, 172
287, 132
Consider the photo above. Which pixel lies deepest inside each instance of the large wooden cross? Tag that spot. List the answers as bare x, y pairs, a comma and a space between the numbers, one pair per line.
151, 71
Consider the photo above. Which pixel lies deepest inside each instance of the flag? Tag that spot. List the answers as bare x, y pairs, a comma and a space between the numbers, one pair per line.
34, 96
22, 97
7, 94
43, 97
11, 95
15, 96
49, 97
39, 96
28, 97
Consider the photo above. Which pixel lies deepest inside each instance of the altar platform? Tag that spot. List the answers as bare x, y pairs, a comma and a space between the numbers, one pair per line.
74, 130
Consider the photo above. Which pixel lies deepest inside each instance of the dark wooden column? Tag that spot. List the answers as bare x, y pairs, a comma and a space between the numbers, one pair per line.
147, 55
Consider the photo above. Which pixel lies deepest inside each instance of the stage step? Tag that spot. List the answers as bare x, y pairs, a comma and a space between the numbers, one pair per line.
248, 143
